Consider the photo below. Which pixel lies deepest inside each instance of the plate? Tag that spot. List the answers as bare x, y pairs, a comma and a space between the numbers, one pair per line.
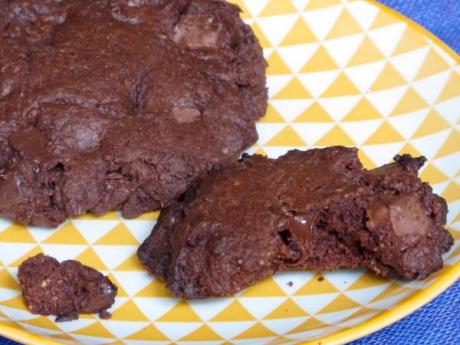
341, 72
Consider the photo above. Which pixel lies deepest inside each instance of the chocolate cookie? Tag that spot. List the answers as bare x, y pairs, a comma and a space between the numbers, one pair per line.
313, 210
64, 289
120, 105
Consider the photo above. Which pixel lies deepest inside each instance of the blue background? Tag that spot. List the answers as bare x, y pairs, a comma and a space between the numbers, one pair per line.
438, 322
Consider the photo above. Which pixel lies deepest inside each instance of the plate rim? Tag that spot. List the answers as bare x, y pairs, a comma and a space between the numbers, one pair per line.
376, 323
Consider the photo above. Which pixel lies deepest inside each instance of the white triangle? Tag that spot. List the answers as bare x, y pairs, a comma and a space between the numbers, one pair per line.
339, 107
449, 110
360, 131
89, 340
267, 52
384, 153
342, 49
73, 326
429, 145
314, 303
140, 229
38, 330
283, 326
439, 188
290, 282
229, 330
443, 53
153, 307
408, 64
364, 296
277, 151
291, 109
313, 131
364, 13
318, 82
449, 165
112, 256
297, 56
122, 329
267, 131
390, 302
342, 279
337, 317
13, 251
6, 294
430, 88
207, 309
300, 4
276, 28
92, 230
276, 83
363, 76
177, 330
387, 100
255, 6
359, 319
17, 314
408, 123
260, 310
388, 37
4, 224
63, 252
454, 210
133, 281
322, 20
41, 234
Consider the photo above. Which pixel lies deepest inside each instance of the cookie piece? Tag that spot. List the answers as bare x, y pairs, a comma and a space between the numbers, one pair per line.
64, 289
120, 105
313, 210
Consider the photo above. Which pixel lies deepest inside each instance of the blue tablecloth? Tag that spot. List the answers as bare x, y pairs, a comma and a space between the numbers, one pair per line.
438, 322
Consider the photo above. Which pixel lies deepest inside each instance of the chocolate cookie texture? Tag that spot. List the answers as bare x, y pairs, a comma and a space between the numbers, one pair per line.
313, 210
119, 105
64, 289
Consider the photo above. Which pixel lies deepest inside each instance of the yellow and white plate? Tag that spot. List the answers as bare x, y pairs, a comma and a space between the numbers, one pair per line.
341, 72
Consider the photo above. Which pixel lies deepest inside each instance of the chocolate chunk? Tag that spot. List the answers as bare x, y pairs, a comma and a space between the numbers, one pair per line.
313, 210
64, 289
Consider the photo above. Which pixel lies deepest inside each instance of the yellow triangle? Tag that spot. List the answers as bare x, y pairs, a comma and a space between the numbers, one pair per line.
433, 123
366, 53
362, 111
433, 175
7, 281
43, 322
299, 34
234, 312
384, 19
256, 331
314, 113
287, 137
286, 310
316, 285
105, 216
130, 264
392, 290
149, 216
293, 90
272, 116
320, 61
342, 86
342, 302
128, 312
433, 64
279, 341
410, 102
451, 145
150, 333
410, 40
36, 250
276, 8
336, 136
388, 79
384, 134
67, 234
204, 333
264, 42
64, 336
266, 288
95, 330
308, 325
367, 280
156, 288
408, 148
366, 161
455, 253
119, 235
452, 192
260, 151
16, 233
345, 25
245, 14
315, 4
276, 65
451, 89
15, 302
181, 312
90, 258
120, 292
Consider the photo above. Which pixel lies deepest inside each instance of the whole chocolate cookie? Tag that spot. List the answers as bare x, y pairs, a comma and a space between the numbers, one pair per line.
120, 105
313, 210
